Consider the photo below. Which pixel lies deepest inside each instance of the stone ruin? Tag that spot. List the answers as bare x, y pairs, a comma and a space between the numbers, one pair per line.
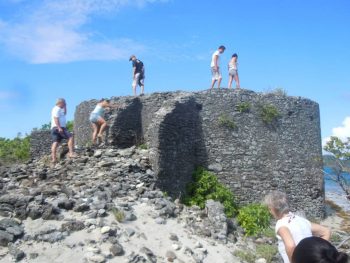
223, 131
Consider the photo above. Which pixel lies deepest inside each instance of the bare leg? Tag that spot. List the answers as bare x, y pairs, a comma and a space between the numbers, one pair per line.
219, 82
142, 89
71, 147
230, 82
53, 152
134, 89
94, 133
213, 83
237, 81
102, 127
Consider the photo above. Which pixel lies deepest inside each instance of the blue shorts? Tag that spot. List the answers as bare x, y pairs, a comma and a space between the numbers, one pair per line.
59, 136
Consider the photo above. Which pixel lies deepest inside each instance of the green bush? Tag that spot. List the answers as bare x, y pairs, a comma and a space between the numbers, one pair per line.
243, 107
15, 150
206, 186
70, 126
269, 113
254, 218
226, 121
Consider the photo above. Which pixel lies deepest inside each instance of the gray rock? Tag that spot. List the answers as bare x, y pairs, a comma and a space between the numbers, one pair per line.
170, 256
5, 238
116, 250
16, 253
72, 226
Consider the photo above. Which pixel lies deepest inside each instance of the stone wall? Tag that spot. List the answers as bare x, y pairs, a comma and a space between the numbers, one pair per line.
184, 130
40, 143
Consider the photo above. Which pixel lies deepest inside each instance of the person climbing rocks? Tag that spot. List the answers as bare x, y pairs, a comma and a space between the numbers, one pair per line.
215, 67
59, 130
233, 71
138, 74
98, 121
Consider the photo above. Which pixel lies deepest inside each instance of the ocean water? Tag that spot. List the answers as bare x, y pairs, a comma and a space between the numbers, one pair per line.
334, 191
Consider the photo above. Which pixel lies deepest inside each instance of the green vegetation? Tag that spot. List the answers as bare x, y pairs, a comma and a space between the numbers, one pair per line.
15, 150
279, 92
243, 107
143, 146
254, 218
341, 152
47, 126
225, 121
269, 113
265, 251
206, 186
118, 214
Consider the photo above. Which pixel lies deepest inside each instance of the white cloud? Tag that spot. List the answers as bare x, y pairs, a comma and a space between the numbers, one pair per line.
53, 32
342, 132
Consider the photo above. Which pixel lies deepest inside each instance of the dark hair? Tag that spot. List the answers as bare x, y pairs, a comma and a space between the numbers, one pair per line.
235, 55
222, 47
103, 99
317, 250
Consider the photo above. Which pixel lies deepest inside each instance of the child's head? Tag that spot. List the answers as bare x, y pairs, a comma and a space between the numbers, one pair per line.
315, 250
235, 56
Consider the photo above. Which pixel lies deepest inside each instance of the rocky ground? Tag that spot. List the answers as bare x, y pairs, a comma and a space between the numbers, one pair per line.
104, 207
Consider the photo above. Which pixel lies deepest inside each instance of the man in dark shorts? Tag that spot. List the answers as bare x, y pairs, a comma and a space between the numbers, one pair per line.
59, 130
138, 74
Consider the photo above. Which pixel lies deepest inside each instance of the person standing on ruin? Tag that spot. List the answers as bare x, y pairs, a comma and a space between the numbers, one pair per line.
138, 74
59, 130
215, 68
233, 71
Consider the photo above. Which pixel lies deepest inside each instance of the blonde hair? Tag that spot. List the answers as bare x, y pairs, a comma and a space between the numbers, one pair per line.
60, 100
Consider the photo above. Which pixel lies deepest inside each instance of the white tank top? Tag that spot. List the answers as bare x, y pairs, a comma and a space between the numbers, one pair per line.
299, 227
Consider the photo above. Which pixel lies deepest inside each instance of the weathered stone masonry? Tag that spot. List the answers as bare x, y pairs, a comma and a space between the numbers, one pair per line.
183, 130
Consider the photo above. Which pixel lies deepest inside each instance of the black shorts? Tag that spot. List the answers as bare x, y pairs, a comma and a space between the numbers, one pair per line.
59, 136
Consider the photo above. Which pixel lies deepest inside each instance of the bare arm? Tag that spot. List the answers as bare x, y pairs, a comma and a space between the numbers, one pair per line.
288, 241
320, 231
134, 71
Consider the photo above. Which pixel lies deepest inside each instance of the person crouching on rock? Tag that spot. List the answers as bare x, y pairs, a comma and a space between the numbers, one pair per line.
59, 130
290, 228
97, 119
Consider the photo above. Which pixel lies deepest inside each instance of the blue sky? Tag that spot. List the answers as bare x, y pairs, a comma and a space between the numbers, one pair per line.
79, 49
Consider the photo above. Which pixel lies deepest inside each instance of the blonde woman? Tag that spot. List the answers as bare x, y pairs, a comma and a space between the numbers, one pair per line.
97, 119
233, 71
290, 228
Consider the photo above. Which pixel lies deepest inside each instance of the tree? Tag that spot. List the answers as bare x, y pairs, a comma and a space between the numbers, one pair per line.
341, 152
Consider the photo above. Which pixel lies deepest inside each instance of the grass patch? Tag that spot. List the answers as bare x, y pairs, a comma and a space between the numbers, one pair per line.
143, 146
243, 107
269, 113
265, 251
225, 121
118, 214
206, 186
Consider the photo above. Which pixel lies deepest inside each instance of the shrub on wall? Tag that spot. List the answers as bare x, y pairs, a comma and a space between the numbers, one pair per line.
254, 218
225, 121
269, 113
243, 107
206, 186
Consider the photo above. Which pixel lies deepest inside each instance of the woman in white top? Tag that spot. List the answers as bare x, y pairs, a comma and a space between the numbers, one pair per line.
97, 119
290, 228
233, 71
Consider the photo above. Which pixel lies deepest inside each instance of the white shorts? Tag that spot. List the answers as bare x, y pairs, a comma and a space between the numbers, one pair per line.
215, 74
